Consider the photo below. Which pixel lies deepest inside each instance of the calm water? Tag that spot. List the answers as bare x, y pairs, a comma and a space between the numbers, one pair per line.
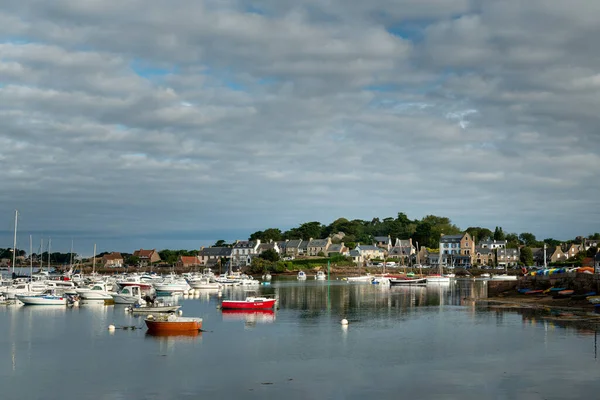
421, 343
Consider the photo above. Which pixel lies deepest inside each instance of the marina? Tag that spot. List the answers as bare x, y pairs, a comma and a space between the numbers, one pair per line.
439, 340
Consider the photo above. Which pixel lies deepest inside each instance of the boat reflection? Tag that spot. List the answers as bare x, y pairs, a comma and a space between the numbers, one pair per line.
249, 316
174, 335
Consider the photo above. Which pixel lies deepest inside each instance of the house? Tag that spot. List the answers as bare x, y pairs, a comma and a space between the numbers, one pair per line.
112, 260
588, 243
242, 252
292, 247
210, 256
318, 246
268, 246
508, 257
147, 257
337, 249
493, 244
281, 244
406, 244
556, 255
573, 250
369, 252
188, 261
385, 242
484, 256
303, 247
400, 253
457, 250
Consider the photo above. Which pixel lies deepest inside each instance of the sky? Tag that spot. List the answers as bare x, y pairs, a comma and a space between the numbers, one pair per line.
171, 124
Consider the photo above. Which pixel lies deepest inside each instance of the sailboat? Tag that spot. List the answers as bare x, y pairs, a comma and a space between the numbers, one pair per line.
439, 277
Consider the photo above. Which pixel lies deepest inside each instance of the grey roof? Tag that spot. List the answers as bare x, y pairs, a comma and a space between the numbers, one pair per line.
282, 244
317, 243
266, 246
354, 253
400, 251
484, 250
382, 238
335, 248
244, 244
369, 247
303, 245
293, 243
215, 252
451, 238
403, 243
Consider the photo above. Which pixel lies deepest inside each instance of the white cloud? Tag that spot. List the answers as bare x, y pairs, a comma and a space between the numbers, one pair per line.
239, 116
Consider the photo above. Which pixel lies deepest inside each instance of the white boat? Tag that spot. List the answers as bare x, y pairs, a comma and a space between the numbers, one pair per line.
50, 297
10, 292
301, 276
361, 278
267, 277
153, 309
97, 291
438, 279
320, 276
129, 295
504, 277
172, 285
246, 280
415, 281
203, 282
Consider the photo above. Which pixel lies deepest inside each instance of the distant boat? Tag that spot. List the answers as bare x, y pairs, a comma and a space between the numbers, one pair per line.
167, 324
301, 276
251, 303
320, 276
401, 282
48, 298
153, 309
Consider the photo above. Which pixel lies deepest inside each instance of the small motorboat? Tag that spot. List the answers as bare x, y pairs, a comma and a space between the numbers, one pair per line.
129, 295
172, 324
530, 292
267, 277
97, 291
320, 276
251, 303
48, 298
153, 309
301, 276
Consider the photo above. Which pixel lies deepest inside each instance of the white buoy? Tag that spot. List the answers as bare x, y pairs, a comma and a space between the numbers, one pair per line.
344, 321
111, 328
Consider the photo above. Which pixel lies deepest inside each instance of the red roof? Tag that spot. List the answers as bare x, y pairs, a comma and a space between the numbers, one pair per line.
112, 256
189, 260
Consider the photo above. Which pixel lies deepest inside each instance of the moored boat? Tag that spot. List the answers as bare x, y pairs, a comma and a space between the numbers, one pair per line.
164, 324
320, 276
251, 303
48, 298
153, 309
399, 282
301, 276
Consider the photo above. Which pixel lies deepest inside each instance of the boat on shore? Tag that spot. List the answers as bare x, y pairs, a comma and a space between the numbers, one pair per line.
170, 323
251, 303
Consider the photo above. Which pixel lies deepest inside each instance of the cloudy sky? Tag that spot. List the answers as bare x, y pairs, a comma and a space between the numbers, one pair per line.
161, 123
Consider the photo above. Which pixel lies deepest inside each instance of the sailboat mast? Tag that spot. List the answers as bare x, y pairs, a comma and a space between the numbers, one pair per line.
14, 256
49, 244
94, 261
30, 258
41, 255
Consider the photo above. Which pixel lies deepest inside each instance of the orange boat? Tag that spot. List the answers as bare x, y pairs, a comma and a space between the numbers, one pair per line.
172, 324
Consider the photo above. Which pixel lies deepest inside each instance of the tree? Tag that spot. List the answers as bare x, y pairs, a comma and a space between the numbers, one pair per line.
221, 243
528, 239
552, 243
269, 255
271, 234
591, 252
526, 256
479, 234
499, 234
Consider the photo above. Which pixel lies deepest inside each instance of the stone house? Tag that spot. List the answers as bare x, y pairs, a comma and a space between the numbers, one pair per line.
457, 250
303, 247
292, 247
112, 260
147, 257
210, 256
316, 246
556, 255
573, 250
484, 256
508, 257
369, 252
338, 249
268, 246
385, 242
188, 261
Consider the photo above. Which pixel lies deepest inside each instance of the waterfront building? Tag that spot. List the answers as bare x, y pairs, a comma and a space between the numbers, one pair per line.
188, 261
316, 246
508, 257
147, 257
457, 250
210, 256
243, 251
385, 242
112, 260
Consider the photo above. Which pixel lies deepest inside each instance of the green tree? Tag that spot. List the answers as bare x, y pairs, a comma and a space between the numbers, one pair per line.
499, 234
269, 255
526, 256
479, 234
528, 239
591, 252
512, 239
132, 260
552, 243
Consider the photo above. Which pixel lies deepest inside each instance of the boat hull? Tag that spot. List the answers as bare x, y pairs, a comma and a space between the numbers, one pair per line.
42, 300
179, 325
406, 282
152, 310
248, 305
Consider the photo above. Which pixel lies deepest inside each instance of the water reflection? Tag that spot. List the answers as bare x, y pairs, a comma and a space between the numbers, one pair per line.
249, 317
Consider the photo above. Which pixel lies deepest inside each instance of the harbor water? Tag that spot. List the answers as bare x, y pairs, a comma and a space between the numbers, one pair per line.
426, 342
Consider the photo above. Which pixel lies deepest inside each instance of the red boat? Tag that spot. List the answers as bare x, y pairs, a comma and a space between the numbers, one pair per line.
251, 303
172, 324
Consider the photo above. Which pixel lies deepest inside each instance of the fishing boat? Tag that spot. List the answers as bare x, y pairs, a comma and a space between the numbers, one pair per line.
153, 309
399, 282
48, 298
301, 276
170, 323
251, 303
129, 295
